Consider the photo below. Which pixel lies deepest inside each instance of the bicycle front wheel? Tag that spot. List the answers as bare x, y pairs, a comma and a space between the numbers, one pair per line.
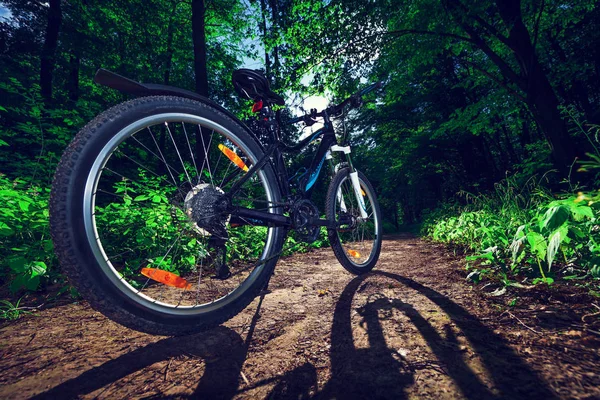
356, 242
138, 222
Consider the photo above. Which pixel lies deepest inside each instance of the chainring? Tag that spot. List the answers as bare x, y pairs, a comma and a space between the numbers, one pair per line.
302, 212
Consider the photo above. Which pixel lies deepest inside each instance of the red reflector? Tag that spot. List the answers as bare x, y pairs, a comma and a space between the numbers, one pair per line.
257, 106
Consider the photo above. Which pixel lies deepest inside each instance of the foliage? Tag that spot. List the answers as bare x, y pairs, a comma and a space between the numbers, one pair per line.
28, 256
10, 311
523, 231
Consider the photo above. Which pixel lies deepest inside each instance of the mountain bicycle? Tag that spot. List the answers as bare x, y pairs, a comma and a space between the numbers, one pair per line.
168, 215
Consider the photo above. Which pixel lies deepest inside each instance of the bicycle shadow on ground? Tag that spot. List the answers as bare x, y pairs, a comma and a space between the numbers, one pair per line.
219, 380
222, 350
378, 372
375, 372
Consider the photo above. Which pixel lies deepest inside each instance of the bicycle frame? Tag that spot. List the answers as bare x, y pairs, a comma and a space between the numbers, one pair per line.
275, 153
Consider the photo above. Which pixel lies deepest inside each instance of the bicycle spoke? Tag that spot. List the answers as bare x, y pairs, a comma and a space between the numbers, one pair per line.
162, 156
179, 154
190, 148
206, 154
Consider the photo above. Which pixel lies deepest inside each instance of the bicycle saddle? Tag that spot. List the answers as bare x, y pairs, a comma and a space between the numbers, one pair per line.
252, 84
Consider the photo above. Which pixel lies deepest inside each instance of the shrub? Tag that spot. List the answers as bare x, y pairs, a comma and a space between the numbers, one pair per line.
27, 256
525, 231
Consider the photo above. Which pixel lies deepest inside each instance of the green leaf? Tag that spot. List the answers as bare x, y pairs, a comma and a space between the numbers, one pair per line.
537, 244
141, 197
554, 217
32, 283
486, 256
48, 245
577, 231
17, 283
38, 269
23, 205
5, 230
554, 243
579, 213
547, 280
18, 264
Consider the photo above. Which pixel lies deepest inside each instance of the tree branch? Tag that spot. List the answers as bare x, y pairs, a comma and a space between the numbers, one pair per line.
496, 59
403, 32
492, 30
537, 24
493, 78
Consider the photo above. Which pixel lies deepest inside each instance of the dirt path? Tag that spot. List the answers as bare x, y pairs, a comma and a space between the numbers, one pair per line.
413, 329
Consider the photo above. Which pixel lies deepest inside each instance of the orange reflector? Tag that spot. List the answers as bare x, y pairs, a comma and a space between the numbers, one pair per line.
233, 157
354, 253
363, 192
168, 278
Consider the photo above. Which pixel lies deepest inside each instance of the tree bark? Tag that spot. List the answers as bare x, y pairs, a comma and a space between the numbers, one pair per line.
74, 63
275, 33
199, 39
169, 63
48, 55
202, 135
263, 8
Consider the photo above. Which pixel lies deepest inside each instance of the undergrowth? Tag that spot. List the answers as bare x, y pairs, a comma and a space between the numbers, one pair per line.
523, 233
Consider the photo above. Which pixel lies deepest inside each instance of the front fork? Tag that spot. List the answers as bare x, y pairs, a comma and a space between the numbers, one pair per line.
358, 192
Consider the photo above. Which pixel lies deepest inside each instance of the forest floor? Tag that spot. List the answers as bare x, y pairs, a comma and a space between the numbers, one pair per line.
415, 328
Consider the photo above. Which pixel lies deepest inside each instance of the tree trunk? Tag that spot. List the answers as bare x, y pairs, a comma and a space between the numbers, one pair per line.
48, 55
199, 39
169, 54
275, 33
202, 135
509, 145
541, 98
263, 9
74, 63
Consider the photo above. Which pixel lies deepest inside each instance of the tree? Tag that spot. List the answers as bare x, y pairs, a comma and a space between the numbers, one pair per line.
47, 59
199, 38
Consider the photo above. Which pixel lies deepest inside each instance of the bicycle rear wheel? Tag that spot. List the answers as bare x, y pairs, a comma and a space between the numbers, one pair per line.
356, 242
137, 222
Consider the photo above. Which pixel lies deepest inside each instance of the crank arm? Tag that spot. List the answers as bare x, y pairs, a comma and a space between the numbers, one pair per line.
323, 222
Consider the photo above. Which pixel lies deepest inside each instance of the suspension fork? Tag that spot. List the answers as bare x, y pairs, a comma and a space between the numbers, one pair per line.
353, 178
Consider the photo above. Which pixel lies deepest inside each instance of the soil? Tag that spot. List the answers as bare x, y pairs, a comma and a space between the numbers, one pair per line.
414, 328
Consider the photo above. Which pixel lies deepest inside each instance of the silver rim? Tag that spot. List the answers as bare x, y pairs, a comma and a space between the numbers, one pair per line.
360, 239
178, 167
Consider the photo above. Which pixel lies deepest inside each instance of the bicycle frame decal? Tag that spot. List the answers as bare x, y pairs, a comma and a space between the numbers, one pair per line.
313, 177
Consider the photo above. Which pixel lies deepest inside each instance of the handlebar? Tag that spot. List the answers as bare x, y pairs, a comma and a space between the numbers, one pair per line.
354, 100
